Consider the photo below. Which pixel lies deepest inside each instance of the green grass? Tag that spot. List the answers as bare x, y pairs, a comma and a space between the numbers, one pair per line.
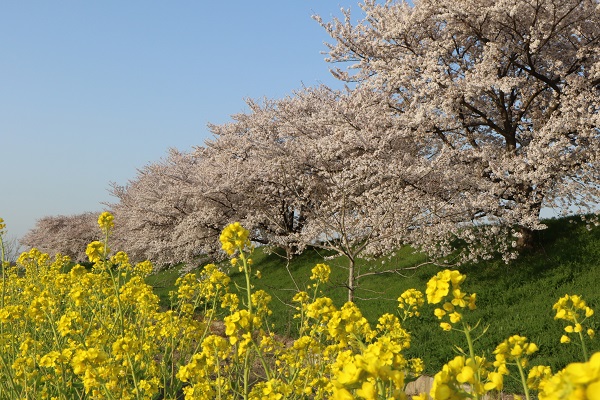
513, 298
164, 282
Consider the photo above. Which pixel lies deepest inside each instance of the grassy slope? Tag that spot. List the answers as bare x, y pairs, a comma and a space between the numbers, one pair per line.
512, 299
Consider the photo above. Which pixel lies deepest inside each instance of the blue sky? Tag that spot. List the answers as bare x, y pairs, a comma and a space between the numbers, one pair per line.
92, 91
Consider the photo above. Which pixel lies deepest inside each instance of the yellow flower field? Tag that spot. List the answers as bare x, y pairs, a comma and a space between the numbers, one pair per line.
71, 332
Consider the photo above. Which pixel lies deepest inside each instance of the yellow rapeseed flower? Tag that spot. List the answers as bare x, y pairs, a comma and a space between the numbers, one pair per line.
349, 375
410, 301
455, 317
95, 251
320, 273
513, 351
106, 221
495, 381
537, 374
342, 394
368, 390
421, 396
143, 268
49, 360
438, 287
449, 382
234, 237
568, 308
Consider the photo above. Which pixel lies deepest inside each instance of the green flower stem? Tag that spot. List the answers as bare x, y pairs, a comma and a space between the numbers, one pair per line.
208, 324
107, 392
119, 305
246, 266
249, 305
3, 264
248, 284
105, 247
523, 379
10, 376
135, 380
219, 395
116, 286
246, 375
115, 281
262, 360
381, 388
467, 331
583, 347
168, 365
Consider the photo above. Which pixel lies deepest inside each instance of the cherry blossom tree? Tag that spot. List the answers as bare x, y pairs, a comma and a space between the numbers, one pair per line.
174, 210
160, 215
359, 169
261, 172
502, 96
65, 234
332, 162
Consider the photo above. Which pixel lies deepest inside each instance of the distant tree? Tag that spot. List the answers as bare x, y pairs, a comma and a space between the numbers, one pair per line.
65, 234
502, 97
9, 245
12, 248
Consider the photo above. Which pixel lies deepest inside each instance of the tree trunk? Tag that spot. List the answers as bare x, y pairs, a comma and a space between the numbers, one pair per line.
525, 241
290, 251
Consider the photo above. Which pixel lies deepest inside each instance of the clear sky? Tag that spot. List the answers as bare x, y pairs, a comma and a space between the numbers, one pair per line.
92, 91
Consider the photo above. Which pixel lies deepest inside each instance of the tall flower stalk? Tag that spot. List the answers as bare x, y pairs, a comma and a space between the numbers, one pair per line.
3, 262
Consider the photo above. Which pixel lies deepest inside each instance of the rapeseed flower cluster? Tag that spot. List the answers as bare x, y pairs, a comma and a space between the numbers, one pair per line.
578, 381
575, 311
445, 286
96, 251
321, 273
472, 376
71, 332
106, 221
515, 350
410, 302
335, 346
462, 378
235, 237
